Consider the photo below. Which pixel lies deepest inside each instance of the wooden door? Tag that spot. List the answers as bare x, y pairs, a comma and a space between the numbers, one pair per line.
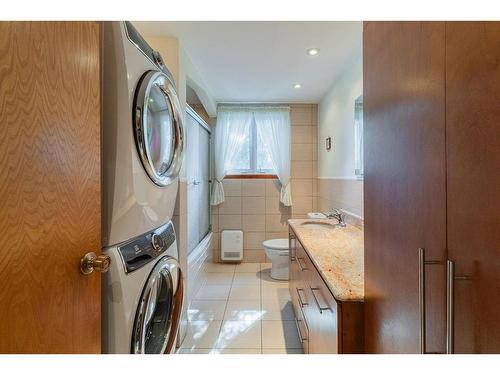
49, 187
404, 183
473, 180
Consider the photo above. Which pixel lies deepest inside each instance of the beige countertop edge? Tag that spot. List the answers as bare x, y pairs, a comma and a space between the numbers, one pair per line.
355, 292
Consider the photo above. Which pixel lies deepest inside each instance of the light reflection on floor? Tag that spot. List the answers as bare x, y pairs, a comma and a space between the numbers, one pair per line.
241, 310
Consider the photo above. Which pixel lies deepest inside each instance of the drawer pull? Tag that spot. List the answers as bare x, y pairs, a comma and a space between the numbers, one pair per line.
302, 304
317, 302
291, 248
301, 267
302, 339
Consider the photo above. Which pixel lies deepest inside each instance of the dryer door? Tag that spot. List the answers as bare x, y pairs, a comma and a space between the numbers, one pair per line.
155, 321
158, 127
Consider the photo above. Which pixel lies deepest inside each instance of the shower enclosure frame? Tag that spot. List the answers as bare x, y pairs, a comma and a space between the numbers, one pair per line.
201, 122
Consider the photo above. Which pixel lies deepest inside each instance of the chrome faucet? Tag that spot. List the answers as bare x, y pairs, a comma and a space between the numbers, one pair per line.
338, 214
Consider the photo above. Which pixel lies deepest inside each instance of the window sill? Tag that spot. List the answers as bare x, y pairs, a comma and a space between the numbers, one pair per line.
248, 176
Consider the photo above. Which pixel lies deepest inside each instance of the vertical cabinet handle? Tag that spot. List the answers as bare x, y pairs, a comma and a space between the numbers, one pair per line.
450, 304
450, 307
421, 300
421, 296
320, 308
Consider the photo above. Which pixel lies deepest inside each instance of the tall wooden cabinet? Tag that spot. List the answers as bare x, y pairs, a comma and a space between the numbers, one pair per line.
473, 181
432, 143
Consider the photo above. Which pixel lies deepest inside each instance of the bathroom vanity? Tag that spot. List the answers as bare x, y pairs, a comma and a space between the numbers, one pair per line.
327, 285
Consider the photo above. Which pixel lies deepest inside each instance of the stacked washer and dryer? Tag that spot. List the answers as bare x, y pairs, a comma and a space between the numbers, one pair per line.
142, 154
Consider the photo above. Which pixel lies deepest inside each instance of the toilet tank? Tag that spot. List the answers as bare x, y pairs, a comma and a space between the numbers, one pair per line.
231, 247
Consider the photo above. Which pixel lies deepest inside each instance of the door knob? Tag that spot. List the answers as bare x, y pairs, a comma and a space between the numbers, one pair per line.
91, 262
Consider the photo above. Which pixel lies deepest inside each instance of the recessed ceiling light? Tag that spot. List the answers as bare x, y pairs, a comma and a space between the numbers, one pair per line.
297, 86
313, 51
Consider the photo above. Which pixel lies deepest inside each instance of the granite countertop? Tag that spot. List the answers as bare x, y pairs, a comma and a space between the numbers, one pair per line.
338, 255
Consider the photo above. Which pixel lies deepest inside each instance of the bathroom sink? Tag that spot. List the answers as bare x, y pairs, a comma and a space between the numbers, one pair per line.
318, 225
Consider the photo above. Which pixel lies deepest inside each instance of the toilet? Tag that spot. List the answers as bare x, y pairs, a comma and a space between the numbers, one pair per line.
277, 251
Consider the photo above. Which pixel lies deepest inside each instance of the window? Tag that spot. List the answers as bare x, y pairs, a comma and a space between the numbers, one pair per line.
358, 137
252, 156
252, 141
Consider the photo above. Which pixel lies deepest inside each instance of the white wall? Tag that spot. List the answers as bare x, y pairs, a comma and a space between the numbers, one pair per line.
189, 74
337, 185
336, 119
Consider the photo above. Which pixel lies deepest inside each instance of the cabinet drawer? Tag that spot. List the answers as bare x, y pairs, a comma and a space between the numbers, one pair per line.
298, 292
300, 268
293, 271
303, 330
304, 264
323, 317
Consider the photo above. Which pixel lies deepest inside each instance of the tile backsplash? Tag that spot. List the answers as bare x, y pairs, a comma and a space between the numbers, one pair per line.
341, 193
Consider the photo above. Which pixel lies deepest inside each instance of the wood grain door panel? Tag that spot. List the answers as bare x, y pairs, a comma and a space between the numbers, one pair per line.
473, 180
404, 182
50, 195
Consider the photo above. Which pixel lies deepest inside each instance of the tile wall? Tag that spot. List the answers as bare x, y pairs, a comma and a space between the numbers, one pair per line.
252, 205
341, 193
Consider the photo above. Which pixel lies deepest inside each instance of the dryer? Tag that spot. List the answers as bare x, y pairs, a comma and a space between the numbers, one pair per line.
142, 136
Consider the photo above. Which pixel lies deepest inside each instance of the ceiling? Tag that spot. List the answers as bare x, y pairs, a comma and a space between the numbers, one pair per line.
261, 61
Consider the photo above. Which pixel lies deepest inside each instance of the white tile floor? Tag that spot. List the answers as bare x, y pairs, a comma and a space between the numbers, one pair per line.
241, 310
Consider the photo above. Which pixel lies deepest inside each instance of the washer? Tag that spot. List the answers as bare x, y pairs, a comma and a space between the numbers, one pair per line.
142, 136
142, 295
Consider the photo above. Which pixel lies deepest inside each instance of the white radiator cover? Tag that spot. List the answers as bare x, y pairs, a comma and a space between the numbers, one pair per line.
231, 247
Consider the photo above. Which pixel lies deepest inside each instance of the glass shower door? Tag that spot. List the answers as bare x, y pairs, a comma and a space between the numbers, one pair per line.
198, 178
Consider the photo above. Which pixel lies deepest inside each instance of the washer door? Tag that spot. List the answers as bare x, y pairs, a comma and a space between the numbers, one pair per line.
155, 320
158, 127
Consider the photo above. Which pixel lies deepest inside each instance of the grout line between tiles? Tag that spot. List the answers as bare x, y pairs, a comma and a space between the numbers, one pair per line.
225, 307
261, 309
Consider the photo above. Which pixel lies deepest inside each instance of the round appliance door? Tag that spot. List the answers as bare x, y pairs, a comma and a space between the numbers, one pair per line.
158, 127
155, 321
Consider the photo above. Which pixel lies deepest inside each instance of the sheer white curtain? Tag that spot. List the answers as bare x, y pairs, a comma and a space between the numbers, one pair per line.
273, 127
232, 129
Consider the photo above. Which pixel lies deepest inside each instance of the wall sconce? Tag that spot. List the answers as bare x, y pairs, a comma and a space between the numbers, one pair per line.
328, 143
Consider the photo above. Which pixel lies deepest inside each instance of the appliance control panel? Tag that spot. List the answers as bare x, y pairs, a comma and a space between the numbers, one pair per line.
138, 41
142, 249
